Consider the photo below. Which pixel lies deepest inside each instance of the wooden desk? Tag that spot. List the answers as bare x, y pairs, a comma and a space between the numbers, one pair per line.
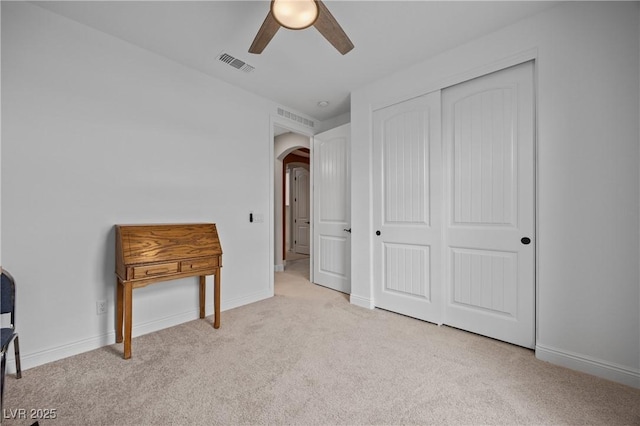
147, 254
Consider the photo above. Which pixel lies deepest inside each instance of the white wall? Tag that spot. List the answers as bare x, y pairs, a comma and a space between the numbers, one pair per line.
588, 310
334, 122
283, 145
97, 132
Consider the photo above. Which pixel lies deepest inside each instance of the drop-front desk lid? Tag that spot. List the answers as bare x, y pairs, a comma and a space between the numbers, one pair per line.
140, 244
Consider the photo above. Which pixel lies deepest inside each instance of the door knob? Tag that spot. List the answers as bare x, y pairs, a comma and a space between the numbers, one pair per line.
347, 230
378, 233
525, 240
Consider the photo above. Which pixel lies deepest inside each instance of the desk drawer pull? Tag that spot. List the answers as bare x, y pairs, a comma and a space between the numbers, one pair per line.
154, 270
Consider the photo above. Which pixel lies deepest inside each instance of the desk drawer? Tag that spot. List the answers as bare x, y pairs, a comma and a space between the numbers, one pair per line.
197, 264
154, 270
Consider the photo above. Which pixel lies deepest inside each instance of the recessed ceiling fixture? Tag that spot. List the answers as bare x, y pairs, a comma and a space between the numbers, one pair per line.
298, 15
323, 104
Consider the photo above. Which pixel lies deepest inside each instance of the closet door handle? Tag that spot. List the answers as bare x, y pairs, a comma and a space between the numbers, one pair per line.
525, 240
378, 233
347, 230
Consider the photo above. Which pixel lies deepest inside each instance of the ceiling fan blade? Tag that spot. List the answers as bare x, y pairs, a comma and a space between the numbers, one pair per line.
266, 32
331, 30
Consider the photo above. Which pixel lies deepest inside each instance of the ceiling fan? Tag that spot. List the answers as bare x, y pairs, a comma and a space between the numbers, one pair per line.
298, 15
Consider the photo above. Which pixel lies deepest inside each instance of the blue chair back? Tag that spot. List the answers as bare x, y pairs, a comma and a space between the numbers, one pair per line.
8, 295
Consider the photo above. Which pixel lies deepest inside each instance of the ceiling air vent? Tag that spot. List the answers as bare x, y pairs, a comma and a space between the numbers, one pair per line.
235, 62
291, 116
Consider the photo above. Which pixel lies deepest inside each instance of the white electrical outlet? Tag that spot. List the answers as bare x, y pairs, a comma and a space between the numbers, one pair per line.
101, 307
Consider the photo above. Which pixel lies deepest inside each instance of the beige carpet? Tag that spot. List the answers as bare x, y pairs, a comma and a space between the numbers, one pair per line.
306, 356
291, 256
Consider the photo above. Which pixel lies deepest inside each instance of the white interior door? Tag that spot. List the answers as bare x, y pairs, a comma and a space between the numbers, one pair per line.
407, 209
488, 130
331, 211
301, 211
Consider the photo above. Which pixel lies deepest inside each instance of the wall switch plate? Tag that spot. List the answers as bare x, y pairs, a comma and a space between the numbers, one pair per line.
256, 217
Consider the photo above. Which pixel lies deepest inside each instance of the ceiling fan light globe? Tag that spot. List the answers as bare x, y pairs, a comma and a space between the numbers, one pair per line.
295, 14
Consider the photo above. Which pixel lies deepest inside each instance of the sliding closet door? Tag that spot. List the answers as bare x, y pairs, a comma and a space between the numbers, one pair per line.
488, 135
407, 208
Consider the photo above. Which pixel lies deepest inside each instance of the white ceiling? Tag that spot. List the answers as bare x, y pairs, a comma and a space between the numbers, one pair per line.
298, 68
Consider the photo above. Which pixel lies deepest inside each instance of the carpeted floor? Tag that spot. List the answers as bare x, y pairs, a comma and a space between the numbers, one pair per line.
306, 356
293, 256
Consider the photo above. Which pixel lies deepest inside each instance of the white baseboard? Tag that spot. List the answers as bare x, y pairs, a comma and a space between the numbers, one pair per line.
278, 268
586, 364
45, 356
245, 300
363, 302
75, 348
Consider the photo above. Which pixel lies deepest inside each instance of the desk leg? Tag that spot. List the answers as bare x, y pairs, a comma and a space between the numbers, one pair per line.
119, 312
216, 300
202, 295
128, 313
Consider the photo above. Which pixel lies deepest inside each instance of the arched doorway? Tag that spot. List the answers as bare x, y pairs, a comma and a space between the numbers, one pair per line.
296, 217
291, 149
